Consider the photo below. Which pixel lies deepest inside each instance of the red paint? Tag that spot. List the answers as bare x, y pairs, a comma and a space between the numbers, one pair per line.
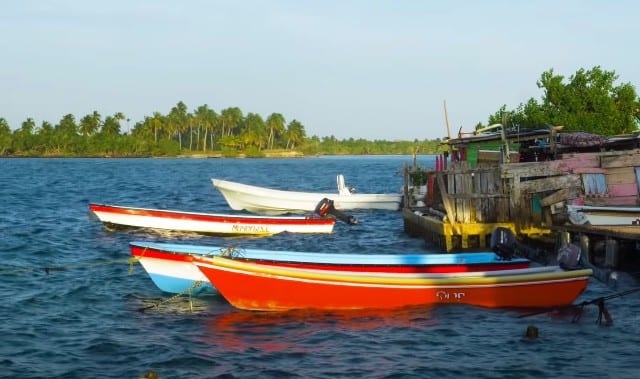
257, 291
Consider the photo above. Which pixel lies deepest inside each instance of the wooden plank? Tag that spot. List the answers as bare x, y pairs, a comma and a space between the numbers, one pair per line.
621, 190
446, 201
551, 183
620, 200
589, 170
524, 212
479, 212
472, 170
631, 158
528, 169
621, 175
569, 162
473, 196
463, 213
556, 197
612, 153
459, 205
469, 203
451, 189
498, 210
515, 193
503, 210
483, 205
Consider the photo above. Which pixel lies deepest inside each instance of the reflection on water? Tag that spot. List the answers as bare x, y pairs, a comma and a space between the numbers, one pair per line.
239, 330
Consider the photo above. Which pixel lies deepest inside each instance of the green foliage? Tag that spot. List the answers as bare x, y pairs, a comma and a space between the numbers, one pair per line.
589, 101
5, 137
230, 153
253, 152
418, 177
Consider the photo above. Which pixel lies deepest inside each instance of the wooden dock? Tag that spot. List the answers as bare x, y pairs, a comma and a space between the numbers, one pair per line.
524, 183
468, 204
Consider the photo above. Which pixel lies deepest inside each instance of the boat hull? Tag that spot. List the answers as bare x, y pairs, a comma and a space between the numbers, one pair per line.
271, 201
218, 224
251, 287
175, 276
172, 270
605, 215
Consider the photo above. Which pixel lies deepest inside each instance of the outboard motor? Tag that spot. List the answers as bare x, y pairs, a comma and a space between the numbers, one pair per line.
506, 246
325, 207
570, 257
503, 243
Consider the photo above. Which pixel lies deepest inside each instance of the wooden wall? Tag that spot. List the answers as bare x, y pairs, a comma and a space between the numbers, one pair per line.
618, 167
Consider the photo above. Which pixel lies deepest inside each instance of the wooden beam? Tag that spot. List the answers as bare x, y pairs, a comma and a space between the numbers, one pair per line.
631, 158
468, 196
528, 169
558, 196
446, 200
550, 183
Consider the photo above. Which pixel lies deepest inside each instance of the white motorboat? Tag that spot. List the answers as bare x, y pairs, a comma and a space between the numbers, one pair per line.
273, 201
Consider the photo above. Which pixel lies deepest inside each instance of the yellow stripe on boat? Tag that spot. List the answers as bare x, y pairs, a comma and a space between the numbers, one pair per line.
398, 279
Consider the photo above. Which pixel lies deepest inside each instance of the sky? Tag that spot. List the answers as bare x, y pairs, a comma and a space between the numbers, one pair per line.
378, 70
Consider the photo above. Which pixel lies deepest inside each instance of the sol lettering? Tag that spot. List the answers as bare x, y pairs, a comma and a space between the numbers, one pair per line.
450, 296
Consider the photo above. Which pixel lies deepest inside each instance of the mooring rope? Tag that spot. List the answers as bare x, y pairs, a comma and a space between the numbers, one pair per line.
599, 301
231, 252
195, 285
132, 261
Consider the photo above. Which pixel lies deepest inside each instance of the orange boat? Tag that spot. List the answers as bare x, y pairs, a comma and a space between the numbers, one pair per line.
266, 288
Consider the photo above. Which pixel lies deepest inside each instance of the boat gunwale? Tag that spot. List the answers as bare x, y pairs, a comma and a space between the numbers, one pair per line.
472, 278
209, 217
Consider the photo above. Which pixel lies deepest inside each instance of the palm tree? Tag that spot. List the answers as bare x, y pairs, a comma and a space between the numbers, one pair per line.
5, 136
254, 131
111, 125
65, 133
275, 126
159, 125
178, 118
230, 119
45, 137
212, 122
295, 134
205, 119
90, 124
28, 126
23, 138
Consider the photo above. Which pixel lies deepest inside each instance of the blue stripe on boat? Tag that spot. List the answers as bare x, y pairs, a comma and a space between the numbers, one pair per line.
328, 258
172, 284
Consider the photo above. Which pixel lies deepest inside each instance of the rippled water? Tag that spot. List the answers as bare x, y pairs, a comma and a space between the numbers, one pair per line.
89, 316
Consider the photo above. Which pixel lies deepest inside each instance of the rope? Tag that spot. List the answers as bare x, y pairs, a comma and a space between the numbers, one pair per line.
231, 252
599, 301
176, 296
132, 262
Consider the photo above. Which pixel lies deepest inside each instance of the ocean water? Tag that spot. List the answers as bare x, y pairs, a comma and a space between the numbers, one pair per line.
73, 306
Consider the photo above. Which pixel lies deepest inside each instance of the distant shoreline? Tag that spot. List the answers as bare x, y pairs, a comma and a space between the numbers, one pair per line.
289, 154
